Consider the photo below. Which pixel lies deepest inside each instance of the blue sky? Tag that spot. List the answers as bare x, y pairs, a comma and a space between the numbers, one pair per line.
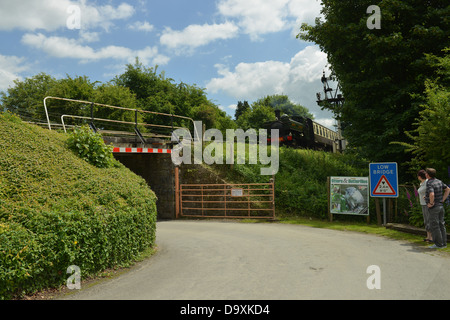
236, 49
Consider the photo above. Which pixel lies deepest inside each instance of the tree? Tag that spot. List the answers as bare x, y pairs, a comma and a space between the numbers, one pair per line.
255, 117
76, 88
26, 97
431, 137
155, 92
142, 81
380, 70
263, 110
240, 109
139, 87
114, 95
286, 106
213, 117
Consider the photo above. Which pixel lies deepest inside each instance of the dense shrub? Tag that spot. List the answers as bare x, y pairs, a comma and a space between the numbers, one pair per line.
90, 146
58, 210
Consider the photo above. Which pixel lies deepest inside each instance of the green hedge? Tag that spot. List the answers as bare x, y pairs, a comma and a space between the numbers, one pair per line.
57, 210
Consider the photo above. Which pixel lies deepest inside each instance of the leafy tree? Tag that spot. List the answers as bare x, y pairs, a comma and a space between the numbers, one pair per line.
240, 109
286, 106
380, 69
431, 137
77, 88
25, 97
139, 87
263, 110
207, 114
433, 133
114, 95
255, 117
213, 117
224, 122
142, 81
155, 92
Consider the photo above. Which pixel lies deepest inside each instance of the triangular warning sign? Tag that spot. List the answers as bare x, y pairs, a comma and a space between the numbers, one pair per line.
384, 187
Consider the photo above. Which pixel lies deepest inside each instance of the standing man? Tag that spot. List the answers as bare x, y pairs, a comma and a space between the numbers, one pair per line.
436, 193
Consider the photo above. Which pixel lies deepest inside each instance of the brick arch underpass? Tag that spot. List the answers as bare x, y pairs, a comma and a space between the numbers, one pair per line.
158, 171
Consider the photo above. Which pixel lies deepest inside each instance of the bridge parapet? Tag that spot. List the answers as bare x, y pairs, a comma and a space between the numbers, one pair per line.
123, 133
135, 142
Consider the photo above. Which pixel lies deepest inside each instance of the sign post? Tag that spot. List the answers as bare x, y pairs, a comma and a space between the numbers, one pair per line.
383, 182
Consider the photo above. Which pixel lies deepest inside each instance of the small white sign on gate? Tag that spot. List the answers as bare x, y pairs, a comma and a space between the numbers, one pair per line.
237, 192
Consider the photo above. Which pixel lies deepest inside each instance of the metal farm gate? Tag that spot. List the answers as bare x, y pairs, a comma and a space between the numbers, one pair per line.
247, 200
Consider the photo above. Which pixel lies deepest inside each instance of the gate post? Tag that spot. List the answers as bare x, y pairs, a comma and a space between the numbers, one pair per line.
273, 195
177, 193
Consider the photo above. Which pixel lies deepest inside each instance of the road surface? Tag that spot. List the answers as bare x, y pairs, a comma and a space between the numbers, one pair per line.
258, 261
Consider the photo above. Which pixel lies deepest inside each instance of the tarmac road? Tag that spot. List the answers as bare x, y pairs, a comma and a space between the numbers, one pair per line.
270, 261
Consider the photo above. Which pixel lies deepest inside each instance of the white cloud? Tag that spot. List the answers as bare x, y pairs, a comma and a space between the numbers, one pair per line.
250, 79
304, 10
123, 11
86, 36
10, 67
61, 47
231, 107
50, 15
299, 79
252, 17
254, 80
102, 16
195, 35
258, 17
255, 16
141, 26
327, 122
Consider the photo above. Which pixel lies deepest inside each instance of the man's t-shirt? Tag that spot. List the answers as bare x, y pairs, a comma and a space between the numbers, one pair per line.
436, 186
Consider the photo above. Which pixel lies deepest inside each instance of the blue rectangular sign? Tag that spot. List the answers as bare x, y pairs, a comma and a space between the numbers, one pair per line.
383, 180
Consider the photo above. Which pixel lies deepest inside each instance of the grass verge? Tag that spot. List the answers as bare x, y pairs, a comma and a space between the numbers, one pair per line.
361, 227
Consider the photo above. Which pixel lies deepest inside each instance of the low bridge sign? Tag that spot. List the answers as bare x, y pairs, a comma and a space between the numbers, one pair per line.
383, 180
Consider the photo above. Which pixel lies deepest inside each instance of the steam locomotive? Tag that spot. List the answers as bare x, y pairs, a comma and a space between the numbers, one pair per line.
301, 132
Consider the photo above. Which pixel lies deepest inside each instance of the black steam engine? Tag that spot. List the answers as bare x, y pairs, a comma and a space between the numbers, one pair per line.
294, 131
301, 132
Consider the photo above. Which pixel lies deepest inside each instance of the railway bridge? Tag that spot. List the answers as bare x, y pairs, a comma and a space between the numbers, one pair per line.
142, 141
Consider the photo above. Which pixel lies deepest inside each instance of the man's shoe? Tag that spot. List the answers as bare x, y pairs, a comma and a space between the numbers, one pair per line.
436, 247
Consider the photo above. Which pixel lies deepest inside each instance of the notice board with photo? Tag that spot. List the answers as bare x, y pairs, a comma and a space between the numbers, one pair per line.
349, 195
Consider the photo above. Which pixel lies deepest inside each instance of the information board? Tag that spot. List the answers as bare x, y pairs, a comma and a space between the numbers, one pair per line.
349, 195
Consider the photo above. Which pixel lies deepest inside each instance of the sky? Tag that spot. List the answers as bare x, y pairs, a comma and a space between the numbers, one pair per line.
237, 50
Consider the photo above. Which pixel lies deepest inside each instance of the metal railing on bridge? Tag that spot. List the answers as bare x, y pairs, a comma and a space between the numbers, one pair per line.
165, 130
